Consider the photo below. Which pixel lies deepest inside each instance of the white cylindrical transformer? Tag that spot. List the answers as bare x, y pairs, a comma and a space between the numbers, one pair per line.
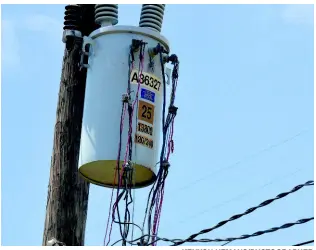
108, 76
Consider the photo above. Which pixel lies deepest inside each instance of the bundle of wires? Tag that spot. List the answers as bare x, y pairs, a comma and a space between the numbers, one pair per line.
126, 173
156, 193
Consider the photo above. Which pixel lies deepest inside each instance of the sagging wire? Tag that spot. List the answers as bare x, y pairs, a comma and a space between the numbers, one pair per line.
131, 241
304, 243
232, 218
126, 173
228, 242
258, 233
235, 217
133, 211
169, 133
130, 173
242, 237
248, 211
123, 112
156, 194
134, 172
167, 130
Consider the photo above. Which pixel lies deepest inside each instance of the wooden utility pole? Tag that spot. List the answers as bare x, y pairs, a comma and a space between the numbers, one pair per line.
67, 199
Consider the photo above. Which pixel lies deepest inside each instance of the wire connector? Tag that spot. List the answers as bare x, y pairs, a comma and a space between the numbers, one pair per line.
173, 110
126, 98
173, 59
156, 50
165, 165
128, 166
142, 242
136, 44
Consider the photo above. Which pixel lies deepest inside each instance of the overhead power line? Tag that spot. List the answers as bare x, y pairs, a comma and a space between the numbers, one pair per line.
235, 217
247, 157
240, 196
258, 233
304, 243
248, 211
242, 237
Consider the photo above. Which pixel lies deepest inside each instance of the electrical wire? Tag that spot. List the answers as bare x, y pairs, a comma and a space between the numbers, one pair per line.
226, 243
168, 132
155, 197
124, 174
123, 111
129, 148
117, 174
134, 198
248, 211
242, 237
240, 196
206, 176
156, 194
127, 177
304, 243
258, 233
131, 65
156, 191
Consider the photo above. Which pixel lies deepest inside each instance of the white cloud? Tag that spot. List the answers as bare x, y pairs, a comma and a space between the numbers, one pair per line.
10, 44
298, 14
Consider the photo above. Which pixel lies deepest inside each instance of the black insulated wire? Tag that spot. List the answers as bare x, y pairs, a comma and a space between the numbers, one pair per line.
304, 243
159, 184
248, 211
127, 178
242, 237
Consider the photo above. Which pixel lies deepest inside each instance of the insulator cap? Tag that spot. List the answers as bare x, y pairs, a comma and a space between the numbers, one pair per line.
106, 14
152, 16
72, 17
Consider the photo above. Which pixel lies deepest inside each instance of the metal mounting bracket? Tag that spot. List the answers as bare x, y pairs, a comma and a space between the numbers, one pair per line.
168, 74
86, 41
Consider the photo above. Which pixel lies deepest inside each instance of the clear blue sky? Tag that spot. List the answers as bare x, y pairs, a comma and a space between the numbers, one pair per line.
245, 100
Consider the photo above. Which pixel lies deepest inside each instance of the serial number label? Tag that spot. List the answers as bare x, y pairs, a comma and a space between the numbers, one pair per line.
141, 127
146, 79
146, 111
147, 95
144, 141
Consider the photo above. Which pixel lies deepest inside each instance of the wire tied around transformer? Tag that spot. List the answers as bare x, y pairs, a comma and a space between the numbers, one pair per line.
156, 194
124, 177
124, 174
165, 165
126, 98
173, 110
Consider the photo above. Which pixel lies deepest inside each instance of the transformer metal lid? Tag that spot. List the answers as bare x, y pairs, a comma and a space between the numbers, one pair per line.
131, 29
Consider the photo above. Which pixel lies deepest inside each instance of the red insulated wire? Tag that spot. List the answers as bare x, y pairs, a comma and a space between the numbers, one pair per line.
127, 146
107, 225
161, 193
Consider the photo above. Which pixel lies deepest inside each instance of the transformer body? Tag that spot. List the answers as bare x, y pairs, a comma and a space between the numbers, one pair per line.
108, 76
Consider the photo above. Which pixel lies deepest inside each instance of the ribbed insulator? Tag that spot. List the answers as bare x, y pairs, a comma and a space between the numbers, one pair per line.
152, 16
72, 17
106, 13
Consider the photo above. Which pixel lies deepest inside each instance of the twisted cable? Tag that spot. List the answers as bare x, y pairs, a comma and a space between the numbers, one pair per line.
248, 211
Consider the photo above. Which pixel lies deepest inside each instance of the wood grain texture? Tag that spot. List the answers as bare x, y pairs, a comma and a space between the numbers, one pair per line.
68, 193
